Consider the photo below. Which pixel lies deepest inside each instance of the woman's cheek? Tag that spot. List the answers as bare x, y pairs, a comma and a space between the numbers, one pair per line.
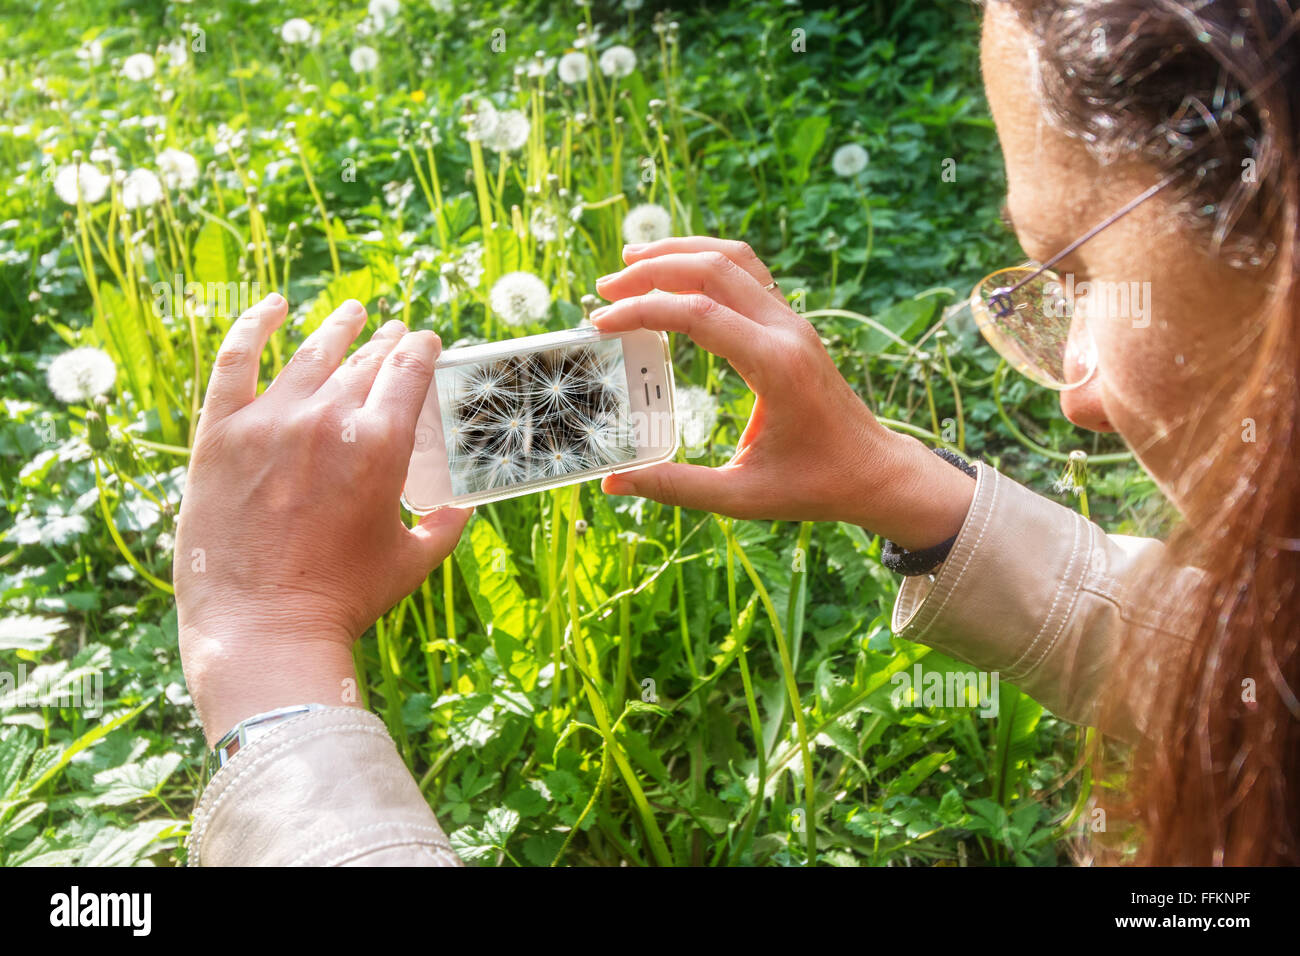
1133, 394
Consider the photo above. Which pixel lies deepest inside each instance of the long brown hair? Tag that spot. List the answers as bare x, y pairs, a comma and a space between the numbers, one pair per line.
1212, 88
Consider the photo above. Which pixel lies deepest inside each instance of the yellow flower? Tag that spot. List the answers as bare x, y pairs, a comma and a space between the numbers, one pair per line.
417, 96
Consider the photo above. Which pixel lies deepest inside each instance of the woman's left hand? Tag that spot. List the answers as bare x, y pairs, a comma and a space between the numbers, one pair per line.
290, 541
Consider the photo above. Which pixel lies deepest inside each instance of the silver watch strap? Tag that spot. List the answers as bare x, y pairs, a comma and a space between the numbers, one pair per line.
250, 728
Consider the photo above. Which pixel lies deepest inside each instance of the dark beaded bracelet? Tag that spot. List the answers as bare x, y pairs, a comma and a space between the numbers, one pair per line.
912, 563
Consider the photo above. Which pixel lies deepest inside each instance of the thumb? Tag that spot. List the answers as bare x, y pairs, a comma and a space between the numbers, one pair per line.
672, 483
433, 539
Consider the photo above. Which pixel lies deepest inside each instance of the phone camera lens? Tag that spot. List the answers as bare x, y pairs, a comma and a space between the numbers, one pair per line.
644, 370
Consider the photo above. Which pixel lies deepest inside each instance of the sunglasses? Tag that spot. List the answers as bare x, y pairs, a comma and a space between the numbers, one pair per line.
1027, 314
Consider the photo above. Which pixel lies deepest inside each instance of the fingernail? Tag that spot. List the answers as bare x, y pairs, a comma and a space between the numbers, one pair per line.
273, 301
608, 277
353, 307
597, 313
632, 248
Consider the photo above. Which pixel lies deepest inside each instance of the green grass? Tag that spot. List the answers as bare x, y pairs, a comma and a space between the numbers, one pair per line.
665, 687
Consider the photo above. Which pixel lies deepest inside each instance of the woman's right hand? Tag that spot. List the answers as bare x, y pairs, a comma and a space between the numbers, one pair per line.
812, 450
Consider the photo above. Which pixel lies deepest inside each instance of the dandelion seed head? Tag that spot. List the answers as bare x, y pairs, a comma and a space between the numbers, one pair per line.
543, 225
92, 54
177, 53
92, 182
555, 458
482, 123
510, 132
458, 438
141, 189
81, 374
179, 169
397, 193
138, 67
647, 223
519, 298
697, 414
556, 390
363, 59
381, 11
469, 265
849, 160
487, 384
508, 428
603, 439
298, 32
540, 65
504, 468
618, 60
572, 68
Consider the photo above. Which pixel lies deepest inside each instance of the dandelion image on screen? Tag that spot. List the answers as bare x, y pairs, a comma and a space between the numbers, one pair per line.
536, 417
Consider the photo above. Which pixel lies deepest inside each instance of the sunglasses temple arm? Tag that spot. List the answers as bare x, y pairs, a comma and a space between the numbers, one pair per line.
1109, 220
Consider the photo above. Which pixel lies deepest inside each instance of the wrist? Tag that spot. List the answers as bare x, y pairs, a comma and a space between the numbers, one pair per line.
912, 496
232, 678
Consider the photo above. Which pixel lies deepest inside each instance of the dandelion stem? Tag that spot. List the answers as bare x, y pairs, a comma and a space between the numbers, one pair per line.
751, 704
680, 581
792, 688
449, 610
326, 225
117, 537
594, 697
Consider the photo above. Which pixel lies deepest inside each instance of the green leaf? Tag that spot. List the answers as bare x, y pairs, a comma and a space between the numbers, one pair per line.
16, 748
135, 781
907, 319
60, 757
29, 633
113, 846
216, 255
915, 775
487, 565
365, 285
527, 802
122, 332
805, 143
473, 843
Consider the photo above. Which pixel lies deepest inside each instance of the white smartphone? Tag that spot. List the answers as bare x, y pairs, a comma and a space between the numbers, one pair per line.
510, 418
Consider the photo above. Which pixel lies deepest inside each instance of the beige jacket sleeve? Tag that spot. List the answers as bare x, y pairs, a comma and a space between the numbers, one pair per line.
326, 788
1050, 602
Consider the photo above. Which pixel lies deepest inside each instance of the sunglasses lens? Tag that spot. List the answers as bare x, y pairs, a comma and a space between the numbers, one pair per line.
1032, 326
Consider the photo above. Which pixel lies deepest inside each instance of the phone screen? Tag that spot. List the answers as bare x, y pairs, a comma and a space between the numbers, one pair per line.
535, 416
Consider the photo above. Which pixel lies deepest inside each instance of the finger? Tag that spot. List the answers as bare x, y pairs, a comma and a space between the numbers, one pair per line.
673, 483
402, 382
709, 272
320, 353
233, 383
738, 252
715, 327
352, 380
433, 539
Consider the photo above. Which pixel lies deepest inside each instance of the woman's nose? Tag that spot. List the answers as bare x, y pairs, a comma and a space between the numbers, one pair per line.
1083, 406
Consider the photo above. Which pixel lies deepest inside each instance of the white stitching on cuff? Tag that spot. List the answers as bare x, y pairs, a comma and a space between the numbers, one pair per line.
950, 586
333, 841
388, 844
1062, 584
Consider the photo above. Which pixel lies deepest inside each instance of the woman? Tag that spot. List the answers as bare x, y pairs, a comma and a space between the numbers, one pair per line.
1171, 123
